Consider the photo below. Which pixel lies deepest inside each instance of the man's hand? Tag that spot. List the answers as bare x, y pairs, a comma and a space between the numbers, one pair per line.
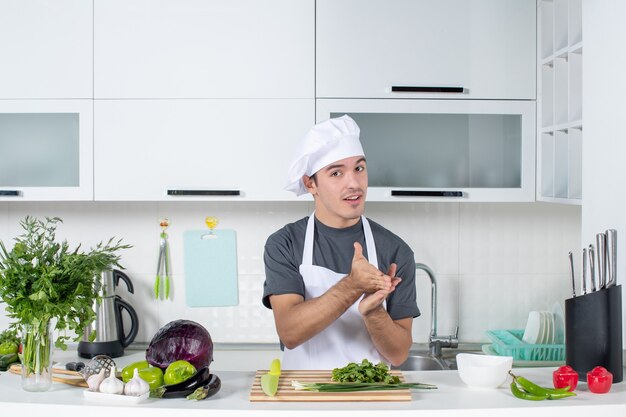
371, 302
365, 277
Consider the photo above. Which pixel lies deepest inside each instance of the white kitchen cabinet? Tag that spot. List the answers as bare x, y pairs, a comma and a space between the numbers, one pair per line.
46, 49
444, 150
46, 150
559, 101
485, 48
184, 150
204, 49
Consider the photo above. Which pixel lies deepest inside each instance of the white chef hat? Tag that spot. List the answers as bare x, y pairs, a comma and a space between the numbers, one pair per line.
326, 142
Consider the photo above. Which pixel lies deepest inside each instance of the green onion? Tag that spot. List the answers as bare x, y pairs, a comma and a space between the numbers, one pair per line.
358, 386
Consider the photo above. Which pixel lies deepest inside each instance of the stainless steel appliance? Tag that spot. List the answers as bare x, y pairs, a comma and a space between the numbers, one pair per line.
111, 337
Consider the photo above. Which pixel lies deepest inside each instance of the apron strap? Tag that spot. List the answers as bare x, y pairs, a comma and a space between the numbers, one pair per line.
369, 242
307, 254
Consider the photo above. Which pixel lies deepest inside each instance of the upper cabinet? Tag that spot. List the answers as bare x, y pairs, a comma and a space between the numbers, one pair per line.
46, 150
444, 150
46, 49
471, 49
209, 149
204, 49
560, 110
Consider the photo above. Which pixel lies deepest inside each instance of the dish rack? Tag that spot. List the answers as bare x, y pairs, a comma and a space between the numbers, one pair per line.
510, 343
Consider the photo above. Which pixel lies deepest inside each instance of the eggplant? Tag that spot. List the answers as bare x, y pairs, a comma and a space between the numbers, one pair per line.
184, 388
209, 389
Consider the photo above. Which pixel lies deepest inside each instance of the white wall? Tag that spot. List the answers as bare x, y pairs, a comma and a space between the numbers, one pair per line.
604, 144
494, 262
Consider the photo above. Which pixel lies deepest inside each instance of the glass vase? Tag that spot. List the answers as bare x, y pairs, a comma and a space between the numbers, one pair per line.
37, 356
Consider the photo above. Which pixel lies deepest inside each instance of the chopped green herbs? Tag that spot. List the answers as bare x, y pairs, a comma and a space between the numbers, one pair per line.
363, 386
365, 372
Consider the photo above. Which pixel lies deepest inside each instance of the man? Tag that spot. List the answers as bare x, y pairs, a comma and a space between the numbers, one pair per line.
332, 302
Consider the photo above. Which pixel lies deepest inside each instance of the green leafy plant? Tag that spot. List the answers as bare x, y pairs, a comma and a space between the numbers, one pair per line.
42, 280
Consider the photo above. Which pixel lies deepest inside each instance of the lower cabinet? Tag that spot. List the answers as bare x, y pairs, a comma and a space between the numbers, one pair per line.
214, 149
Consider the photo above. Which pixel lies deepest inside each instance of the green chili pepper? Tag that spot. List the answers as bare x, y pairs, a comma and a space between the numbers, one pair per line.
559, 395
535, 389
528, 390
525, 395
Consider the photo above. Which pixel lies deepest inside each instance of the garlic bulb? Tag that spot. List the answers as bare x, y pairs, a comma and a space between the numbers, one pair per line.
136, 386
112, 385
94, 381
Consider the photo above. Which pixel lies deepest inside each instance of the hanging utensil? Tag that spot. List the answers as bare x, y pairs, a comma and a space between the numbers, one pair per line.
163, 265
601, 258
611, 257
571, 271
211, 222
592, 268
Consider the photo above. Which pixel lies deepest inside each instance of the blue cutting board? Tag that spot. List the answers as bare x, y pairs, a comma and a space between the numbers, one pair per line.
211, 268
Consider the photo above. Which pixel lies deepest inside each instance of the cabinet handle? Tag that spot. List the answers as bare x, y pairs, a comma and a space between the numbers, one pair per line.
418, 89
404, 193
181, 193
10, 193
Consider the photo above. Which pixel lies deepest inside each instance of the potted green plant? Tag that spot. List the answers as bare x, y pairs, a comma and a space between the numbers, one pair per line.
47, 286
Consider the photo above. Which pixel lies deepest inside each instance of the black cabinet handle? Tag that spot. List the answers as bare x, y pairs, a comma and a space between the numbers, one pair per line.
10, 193
183, 193
405, 193
422, 89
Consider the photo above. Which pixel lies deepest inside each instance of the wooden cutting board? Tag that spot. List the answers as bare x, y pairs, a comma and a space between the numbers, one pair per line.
287, 393
72, 378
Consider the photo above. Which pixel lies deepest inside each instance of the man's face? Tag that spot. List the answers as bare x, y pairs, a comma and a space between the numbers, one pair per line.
339, 190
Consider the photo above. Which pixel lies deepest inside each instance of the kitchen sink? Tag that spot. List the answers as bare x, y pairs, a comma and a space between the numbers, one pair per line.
424, 361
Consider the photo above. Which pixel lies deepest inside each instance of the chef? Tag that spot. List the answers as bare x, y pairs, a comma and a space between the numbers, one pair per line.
341, 287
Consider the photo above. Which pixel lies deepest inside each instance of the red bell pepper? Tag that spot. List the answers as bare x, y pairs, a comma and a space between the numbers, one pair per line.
565, 376
599, 380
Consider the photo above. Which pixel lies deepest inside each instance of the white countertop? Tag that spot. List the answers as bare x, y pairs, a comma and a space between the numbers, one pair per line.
451, 398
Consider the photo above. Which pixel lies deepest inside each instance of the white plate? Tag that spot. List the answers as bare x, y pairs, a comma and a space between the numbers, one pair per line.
559, 324
545, 329
113, 398
552, 333
532, 333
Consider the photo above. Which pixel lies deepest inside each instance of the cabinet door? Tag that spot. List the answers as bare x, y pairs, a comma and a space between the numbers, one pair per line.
444, 150
46, 150
485, 47
46, 49
147, 148
204, 49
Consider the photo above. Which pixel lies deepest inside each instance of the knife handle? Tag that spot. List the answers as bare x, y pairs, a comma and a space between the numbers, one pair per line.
583, 283
592, 268
571, 271
611, 256
601, 257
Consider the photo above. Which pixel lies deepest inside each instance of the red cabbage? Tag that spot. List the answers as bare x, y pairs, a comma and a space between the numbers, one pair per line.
180, 340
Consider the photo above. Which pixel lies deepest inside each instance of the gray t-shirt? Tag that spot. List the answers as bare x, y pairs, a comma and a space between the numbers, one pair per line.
333, 249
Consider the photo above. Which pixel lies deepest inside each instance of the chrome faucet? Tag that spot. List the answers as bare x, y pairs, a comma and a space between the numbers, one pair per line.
436, 342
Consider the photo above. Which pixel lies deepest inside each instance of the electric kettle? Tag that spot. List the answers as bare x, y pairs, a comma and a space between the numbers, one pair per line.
111, 338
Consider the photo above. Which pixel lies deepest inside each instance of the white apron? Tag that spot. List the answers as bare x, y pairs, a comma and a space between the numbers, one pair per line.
345, 340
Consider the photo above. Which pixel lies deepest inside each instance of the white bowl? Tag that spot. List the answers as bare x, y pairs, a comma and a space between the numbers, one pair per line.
483, 371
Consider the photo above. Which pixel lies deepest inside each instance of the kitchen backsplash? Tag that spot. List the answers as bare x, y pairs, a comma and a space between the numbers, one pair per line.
494, 261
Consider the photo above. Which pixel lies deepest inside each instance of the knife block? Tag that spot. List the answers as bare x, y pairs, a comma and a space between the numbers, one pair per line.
593, 332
